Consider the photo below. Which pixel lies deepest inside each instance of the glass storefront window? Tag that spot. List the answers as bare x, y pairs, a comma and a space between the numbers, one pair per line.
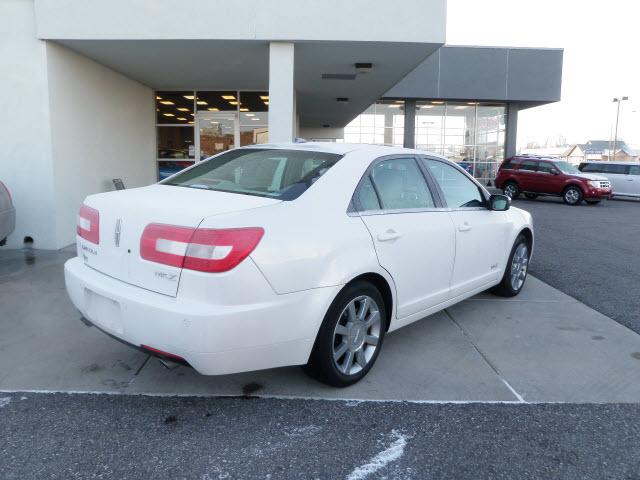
175, 142
382, 123
254, 118
469, 133
174, 108
217, 101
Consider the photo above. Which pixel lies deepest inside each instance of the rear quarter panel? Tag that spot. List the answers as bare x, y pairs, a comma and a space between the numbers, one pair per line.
312, 242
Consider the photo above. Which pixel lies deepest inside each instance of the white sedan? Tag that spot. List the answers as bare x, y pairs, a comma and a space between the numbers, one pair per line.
292, 254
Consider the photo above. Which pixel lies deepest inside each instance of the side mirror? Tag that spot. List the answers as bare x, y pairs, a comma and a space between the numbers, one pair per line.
499, 203
555, 172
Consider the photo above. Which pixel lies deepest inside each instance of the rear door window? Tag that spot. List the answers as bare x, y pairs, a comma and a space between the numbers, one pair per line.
634, 169
365, 197
529, 166
400, 184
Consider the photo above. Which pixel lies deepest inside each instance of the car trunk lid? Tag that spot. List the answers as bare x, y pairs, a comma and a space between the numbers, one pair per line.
123, 216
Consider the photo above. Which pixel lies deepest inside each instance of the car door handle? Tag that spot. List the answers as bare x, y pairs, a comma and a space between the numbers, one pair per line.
388, 236
465, 227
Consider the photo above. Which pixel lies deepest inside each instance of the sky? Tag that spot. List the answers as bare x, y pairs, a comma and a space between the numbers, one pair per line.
601, 42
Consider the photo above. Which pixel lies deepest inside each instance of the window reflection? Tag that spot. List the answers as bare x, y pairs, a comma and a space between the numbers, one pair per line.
174, 108
382, 123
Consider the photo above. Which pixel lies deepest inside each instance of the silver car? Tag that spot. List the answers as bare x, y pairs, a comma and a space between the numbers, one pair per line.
7, 214
624, 176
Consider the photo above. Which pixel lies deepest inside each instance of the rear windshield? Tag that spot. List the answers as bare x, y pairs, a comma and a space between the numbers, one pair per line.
278, 174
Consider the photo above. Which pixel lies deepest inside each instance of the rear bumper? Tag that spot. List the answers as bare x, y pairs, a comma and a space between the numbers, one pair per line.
215, 339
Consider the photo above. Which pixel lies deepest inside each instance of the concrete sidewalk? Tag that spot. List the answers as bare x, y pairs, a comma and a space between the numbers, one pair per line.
541, 346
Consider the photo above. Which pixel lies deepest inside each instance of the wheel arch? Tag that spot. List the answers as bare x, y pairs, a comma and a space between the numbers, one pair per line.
528, 234
573, 184
385, 289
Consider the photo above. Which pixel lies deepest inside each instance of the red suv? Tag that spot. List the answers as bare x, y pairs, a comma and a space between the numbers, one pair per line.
535, 176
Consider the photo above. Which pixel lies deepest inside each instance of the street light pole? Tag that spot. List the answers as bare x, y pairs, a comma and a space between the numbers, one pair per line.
615, 137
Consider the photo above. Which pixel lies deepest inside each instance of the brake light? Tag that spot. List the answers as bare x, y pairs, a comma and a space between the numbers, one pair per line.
200, 249
88, 224
8, 192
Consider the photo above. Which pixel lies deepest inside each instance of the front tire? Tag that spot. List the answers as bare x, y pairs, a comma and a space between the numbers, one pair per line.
350, 337
572, 195
531, 196
517, 268
511, 190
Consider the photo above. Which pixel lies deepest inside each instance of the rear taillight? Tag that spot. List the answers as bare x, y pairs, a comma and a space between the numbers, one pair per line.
88, 224
201, 249
8, 192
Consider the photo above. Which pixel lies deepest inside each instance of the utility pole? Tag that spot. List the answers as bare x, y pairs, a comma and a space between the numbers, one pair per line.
615, 136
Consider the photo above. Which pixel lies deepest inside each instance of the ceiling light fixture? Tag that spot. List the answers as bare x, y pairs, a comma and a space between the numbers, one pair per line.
437, 102
244, 109
181, 119
213, 109
228, 97
425, 106
460, 107
264, 97
250, 114
182, 109
254, 118
472, 103
189, 97
158, 97
202, 102
168, 114
167, 102
233, 103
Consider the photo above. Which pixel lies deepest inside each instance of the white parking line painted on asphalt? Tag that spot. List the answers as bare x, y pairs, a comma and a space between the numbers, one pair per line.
4, 401
392, 453
350, 402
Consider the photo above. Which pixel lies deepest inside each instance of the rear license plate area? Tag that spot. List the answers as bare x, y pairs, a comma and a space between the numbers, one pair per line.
104, 312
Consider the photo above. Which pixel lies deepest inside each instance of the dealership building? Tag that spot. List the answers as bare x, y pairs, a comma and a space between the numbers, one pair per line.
93, 91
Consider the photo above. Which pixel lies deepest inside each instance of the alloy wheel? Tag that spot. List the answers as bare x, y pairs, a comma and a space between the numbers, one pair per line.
572, 196
356, 336
510, 190
519, 266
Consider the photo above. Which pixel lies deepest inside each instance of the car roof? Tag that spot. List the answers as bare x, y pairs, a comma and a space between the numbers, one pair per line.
537, 157
606, 162
344, 148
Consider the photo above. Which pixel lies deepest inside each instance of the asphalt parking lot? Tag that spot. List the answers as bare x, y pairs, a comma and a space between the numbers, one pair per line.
545, 385
105, 436
591, 253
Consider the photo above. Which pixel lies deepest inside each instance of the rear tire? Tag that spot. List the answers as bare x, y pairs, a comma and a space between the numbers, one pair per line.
3, 242
515, 273
350, 337
572, 195
531, 196
511, 189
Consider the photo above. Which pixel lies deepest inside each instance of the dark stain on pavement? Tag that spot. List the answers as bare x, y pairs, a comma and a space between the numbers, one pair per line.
250, 388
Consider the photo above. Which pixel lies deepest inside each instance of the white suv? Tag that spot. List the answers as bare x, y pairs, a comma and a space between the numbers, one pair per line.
624, 176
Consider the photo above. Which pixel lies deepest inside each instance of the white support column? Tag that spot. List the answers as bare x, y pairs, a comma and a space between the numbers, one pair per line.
282, 105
